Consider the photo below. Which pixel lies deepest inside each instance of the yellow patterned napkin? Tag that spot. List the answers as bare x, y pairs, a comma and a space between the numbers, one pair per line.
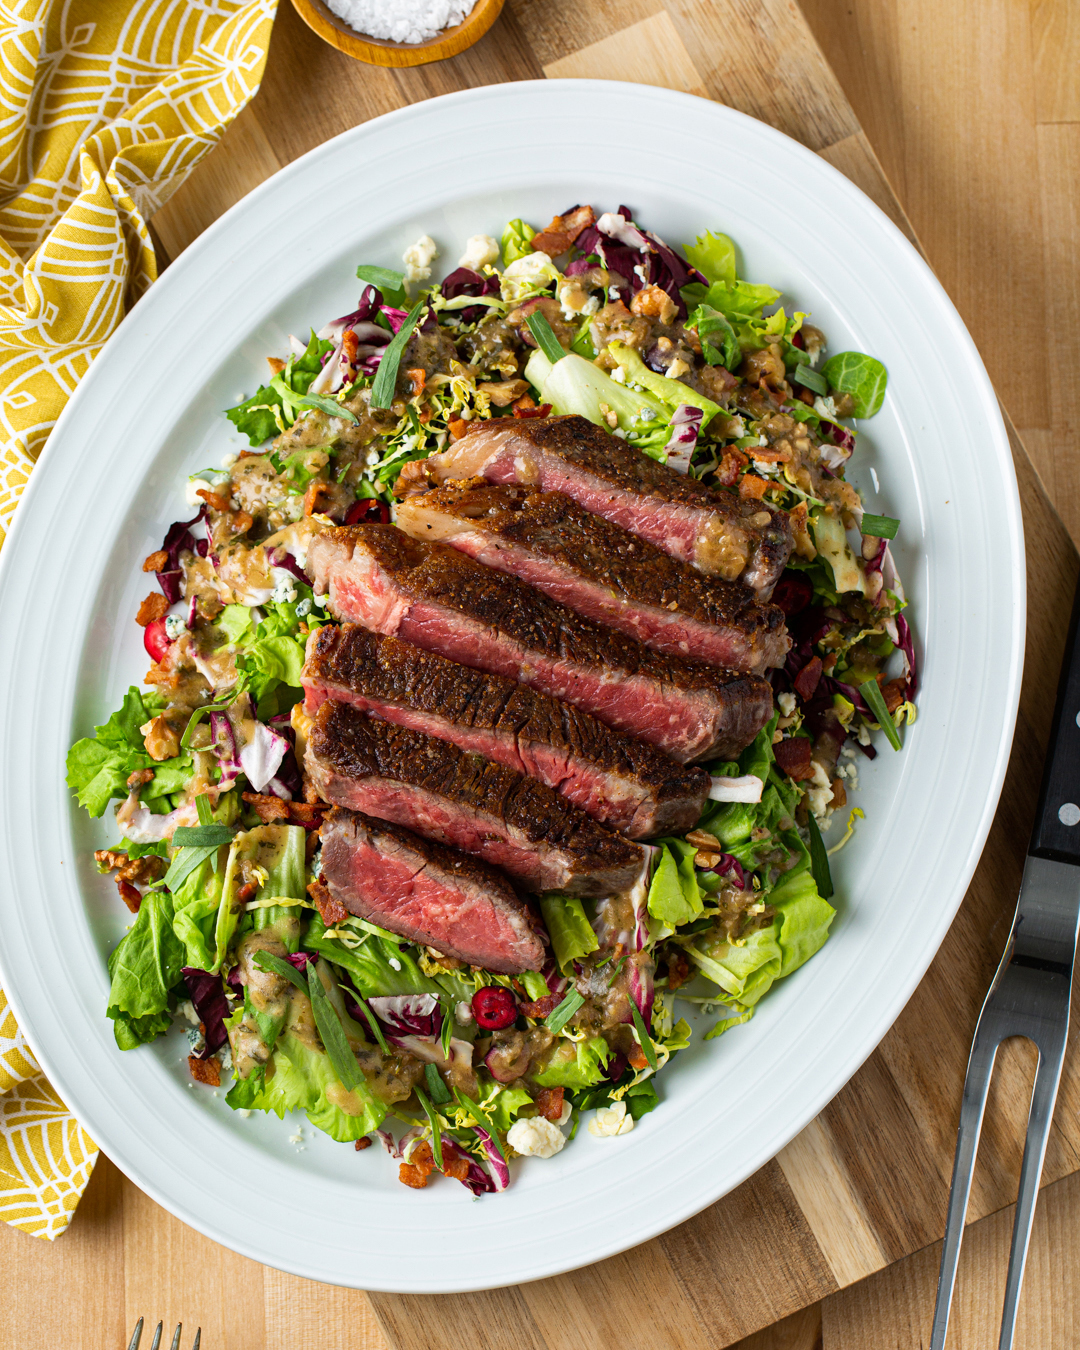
106, 107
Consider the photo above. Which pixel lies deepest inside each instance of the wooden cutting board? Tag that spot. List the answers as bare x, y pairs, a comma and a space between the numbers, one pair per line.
866, 1183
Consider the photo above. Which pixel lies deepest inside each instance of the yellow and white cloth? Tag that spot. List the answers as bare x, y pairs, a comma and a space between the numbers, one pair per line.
105, 107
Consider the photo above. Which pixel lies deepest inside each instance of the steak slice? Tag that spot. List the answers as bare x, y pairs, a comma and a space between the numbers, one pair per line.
438, 598
631, 786
597, 568
461, 800
428, 893
714, 529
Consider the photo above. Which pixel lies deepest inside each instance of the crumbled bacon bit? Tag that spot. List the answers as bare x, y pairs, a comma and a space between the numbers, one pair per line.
807, 680
218, 500
679, 972
142, 870
541, 1007
350, 345
246, 892
362, 1144
543, 411
455, 1163
267, 807
562, 231
156, 562
417, 378
331, 910
732, 464
206, 1071
549, 1102
752, 486
241, 521
139, 777
523, 404
893, 693
636, 1058
129, 894
155, 606
457, 428
793, 756
420, 1166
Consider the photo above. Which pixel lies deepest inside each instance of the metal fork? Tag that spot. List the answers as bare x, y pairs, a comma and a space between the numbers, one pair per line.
136, 1337
1029, 997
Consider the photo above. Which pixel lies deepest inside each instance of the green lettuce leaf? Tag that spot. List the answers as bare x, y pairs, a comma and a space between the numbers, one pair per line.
671, 393
195, 906
255, 417
861, 376
517, 241
575, 1064
571, 932
674, 894
98, 767
143, 970
714, 257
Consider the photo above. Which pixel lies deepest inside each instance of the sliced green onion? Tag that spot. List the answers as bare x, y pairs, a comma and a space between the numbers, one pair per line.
617, 971
644, 1039
447, 1027
436, 1086
383, 277
809, 378
373, 1021
879, 527
202, 836
382, 391
283, 969
819, 859
871, 692
327, 405
332, 1033
433, 1121
558, 1017
545, 337
185, 863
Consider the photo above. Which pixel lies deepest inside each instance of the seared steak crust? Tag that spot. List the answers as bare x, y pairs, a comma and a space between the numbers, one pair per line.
714, 529
602, 571
428, 893
631, 786
464, 801
438, 598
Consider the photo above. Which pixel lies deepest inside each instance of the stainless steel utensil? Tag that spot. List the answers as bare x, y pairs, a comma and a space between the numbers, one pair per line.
1029, 996
136, 1337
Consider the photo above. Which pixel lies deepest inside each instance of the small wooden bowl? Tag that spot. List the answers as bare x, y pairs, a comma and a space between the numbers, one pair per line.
322, 20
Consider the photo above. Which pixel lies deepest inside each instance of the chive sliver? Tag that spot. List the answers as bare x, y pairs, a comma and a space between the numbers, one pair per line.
644, 1039
545, 337
382, 391
809, 378
871, 692
558, 1017
384, 277
819, 859
332, 1033
879, 527
433, 1121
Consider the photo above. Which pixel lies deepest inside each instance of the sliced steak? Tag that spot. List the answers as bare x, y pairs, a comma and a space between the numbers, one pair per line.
430, 786
428, 893
714, 529
438, 598
602, 571
631, 786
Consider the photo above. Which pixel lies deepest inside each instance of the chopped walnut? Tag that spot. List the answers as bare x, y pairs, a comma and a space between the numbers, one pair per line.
156, 562
654, 302
160, 739
154, 607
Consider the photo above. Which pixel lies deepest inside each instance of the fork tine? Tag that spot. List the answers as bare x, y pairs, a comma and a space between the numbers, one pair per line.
972, 1109
136, 1336
156, 1342
1043, 1095
198, 1339
176, 1336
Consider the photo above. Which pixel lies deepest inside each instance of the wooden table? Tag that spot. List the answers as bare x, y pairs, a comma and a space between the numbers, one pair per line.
974, 114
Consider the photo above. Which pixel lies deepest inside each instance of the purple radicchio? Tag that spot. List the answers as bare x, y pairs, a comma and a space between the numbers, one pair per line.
475, 1179
281, 557
178, 539
907, 646
500, 1173
207, 993
464, 281
408, 1014
224, 745
685, 428
261, 758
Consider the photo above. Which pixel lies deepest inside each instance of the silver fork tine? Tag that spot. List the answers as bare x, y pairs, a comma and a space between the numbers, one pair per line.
198, 1339
973, 1107
1043, 1097
136, 1336
156, 1342
176, 1336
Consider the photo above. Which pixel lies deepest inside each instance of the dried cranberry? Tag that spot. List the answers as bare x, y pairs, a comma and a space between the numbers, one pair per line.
156, 640
793, 593
367, 509
494, 1008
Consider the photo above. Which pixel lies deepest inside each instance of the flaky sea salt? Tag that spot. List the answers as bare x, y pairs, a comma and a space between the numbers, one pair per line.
401, 20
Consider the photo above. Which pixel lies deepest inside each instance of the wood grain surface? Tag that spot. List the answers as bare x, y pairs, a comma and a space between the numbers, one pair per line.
975, 121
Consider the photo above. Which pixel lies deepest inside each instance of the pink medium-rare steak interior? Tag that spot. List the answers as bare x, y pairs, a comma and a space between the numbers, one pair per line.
630, 785
428, 893
583, 561
436, 597
713, 529
542, 840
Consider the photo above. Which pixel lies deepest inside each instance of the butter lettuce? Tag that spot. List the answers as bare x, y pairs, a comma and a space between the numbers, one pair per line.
674, 894
575, 1064
571, 933
144, 969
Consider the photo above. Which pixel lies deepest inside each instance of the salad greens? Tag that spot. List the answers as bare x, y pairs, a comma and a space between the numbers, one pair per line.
316, 1010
